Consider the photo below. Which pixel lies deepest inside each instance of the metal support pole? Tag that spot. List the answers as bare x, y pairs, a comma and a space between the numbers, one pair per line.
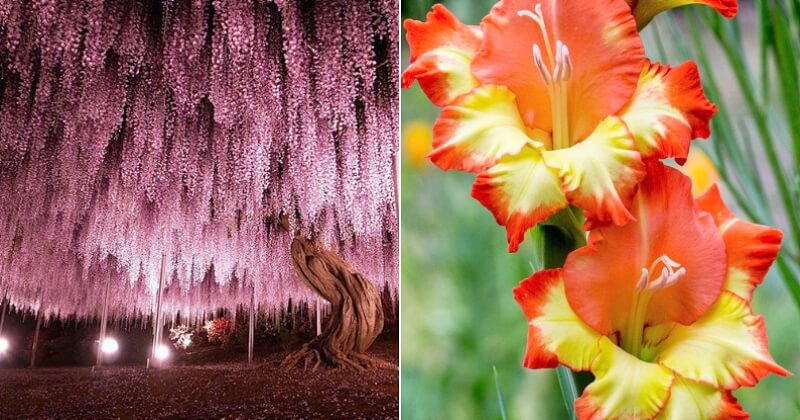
251, 332
3, 311
103, 323
36, 337
319, 319
157, 317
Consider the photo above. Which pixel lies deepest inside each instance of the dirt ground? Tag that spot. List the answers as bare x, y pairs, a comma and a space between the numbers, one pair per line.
222, 390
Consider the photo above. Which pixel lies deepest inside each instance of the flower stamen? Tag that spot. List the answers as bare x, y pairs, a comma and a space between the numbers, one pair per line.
555, 76
671, 273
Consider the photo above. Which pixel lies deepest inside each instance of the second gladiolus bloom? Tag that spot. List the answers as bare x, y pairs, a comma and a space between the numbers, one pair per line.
659, 309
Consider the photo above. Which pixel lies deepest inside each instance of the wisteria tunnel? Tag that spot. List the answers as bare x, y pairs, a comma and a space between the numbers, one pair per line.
190, 176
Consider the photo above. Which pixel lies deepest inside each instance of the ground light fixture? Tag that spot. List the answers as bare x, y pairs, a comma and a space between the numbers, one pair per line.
162, 352
109, 346
4, 345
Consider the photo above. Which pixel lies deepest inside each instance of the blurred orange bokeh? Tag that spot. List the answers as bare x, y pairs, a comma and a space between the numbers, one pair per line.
701, 170
417, 136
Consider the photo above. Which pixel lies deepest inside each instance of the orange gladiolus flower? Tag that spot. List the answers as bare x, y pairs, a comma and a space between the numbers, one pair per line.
551, 104
645, 10
659, 309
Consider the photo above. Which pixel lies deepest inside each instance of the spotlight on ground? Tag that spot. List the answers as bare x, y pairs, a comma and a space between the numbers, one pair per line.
4, 345
162, 352
109, 346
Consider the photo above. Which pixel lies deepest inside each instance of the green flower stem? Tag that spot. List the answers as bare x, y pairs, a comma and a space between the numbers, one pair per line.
555, 239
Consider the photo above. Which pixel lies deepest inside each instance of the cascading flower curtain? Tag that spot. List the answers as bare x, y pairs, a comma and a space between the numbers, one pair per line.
132, 129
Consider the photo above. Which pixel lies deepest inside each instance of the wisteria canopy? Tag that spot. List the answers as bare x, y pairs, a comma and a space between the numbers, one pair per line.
135, 129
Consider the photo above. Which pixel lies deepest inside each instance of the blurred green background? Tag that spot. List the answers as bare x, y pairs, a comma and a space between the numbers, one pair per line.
459, 319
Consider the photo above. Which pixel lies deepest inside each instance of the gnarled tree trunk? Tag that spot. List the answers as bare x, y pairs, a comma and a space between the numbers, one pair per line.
356, 314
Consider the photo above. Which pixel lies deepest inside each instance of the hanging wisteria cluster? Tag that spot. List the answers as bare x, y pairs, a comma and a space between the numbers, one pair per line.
135, 129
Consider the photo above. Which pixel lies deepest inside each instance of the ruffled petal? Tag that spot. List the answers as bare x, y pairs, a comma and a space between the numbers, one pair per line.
555, 334
520, 191
693, 400
477, 130
645, 10
751, 248
441, 51
600, 174
668, 110
624, 387
726, 349
604, 46
601, 278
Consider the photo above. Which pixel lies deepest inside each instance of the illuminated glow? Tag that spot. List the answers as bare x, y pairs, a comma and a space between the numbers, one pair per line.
4, 345
181, 336
109, 346
162, 352
221, 130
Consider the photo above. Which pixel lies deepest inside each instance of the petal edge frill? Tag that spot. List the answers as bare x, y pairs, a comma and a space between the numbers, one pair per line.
555, 334
693, 400
668, 110
520, 191
726, 349
624, 387
441, 49
751, 248
600, 174
477, 130
645, 10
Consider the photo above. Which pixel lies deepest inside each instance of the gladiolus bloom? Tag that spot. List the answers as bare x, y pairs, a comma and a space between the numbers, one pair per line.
645, 10
551, 104
659, 309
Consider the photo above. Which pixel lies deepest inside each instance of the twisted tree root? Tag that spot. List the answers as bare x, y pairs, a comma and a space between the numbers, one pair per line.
356, 314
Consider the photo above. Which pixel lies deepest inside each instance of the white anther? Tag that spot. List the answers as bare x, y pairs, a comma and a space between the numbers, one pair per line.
535, 15
675, 277
669, 261
559, 67
537, 59
667, 278
527, 13
563, 69
567, 72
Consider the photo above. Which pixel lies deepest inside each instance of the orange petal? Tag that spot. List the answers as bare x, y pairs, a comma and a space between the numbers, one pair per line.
605, 50
441, 51
600, 174
645, 10
668, 110
478, 129
555, 334
751, 248
520, 191
726, 348
601, 278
